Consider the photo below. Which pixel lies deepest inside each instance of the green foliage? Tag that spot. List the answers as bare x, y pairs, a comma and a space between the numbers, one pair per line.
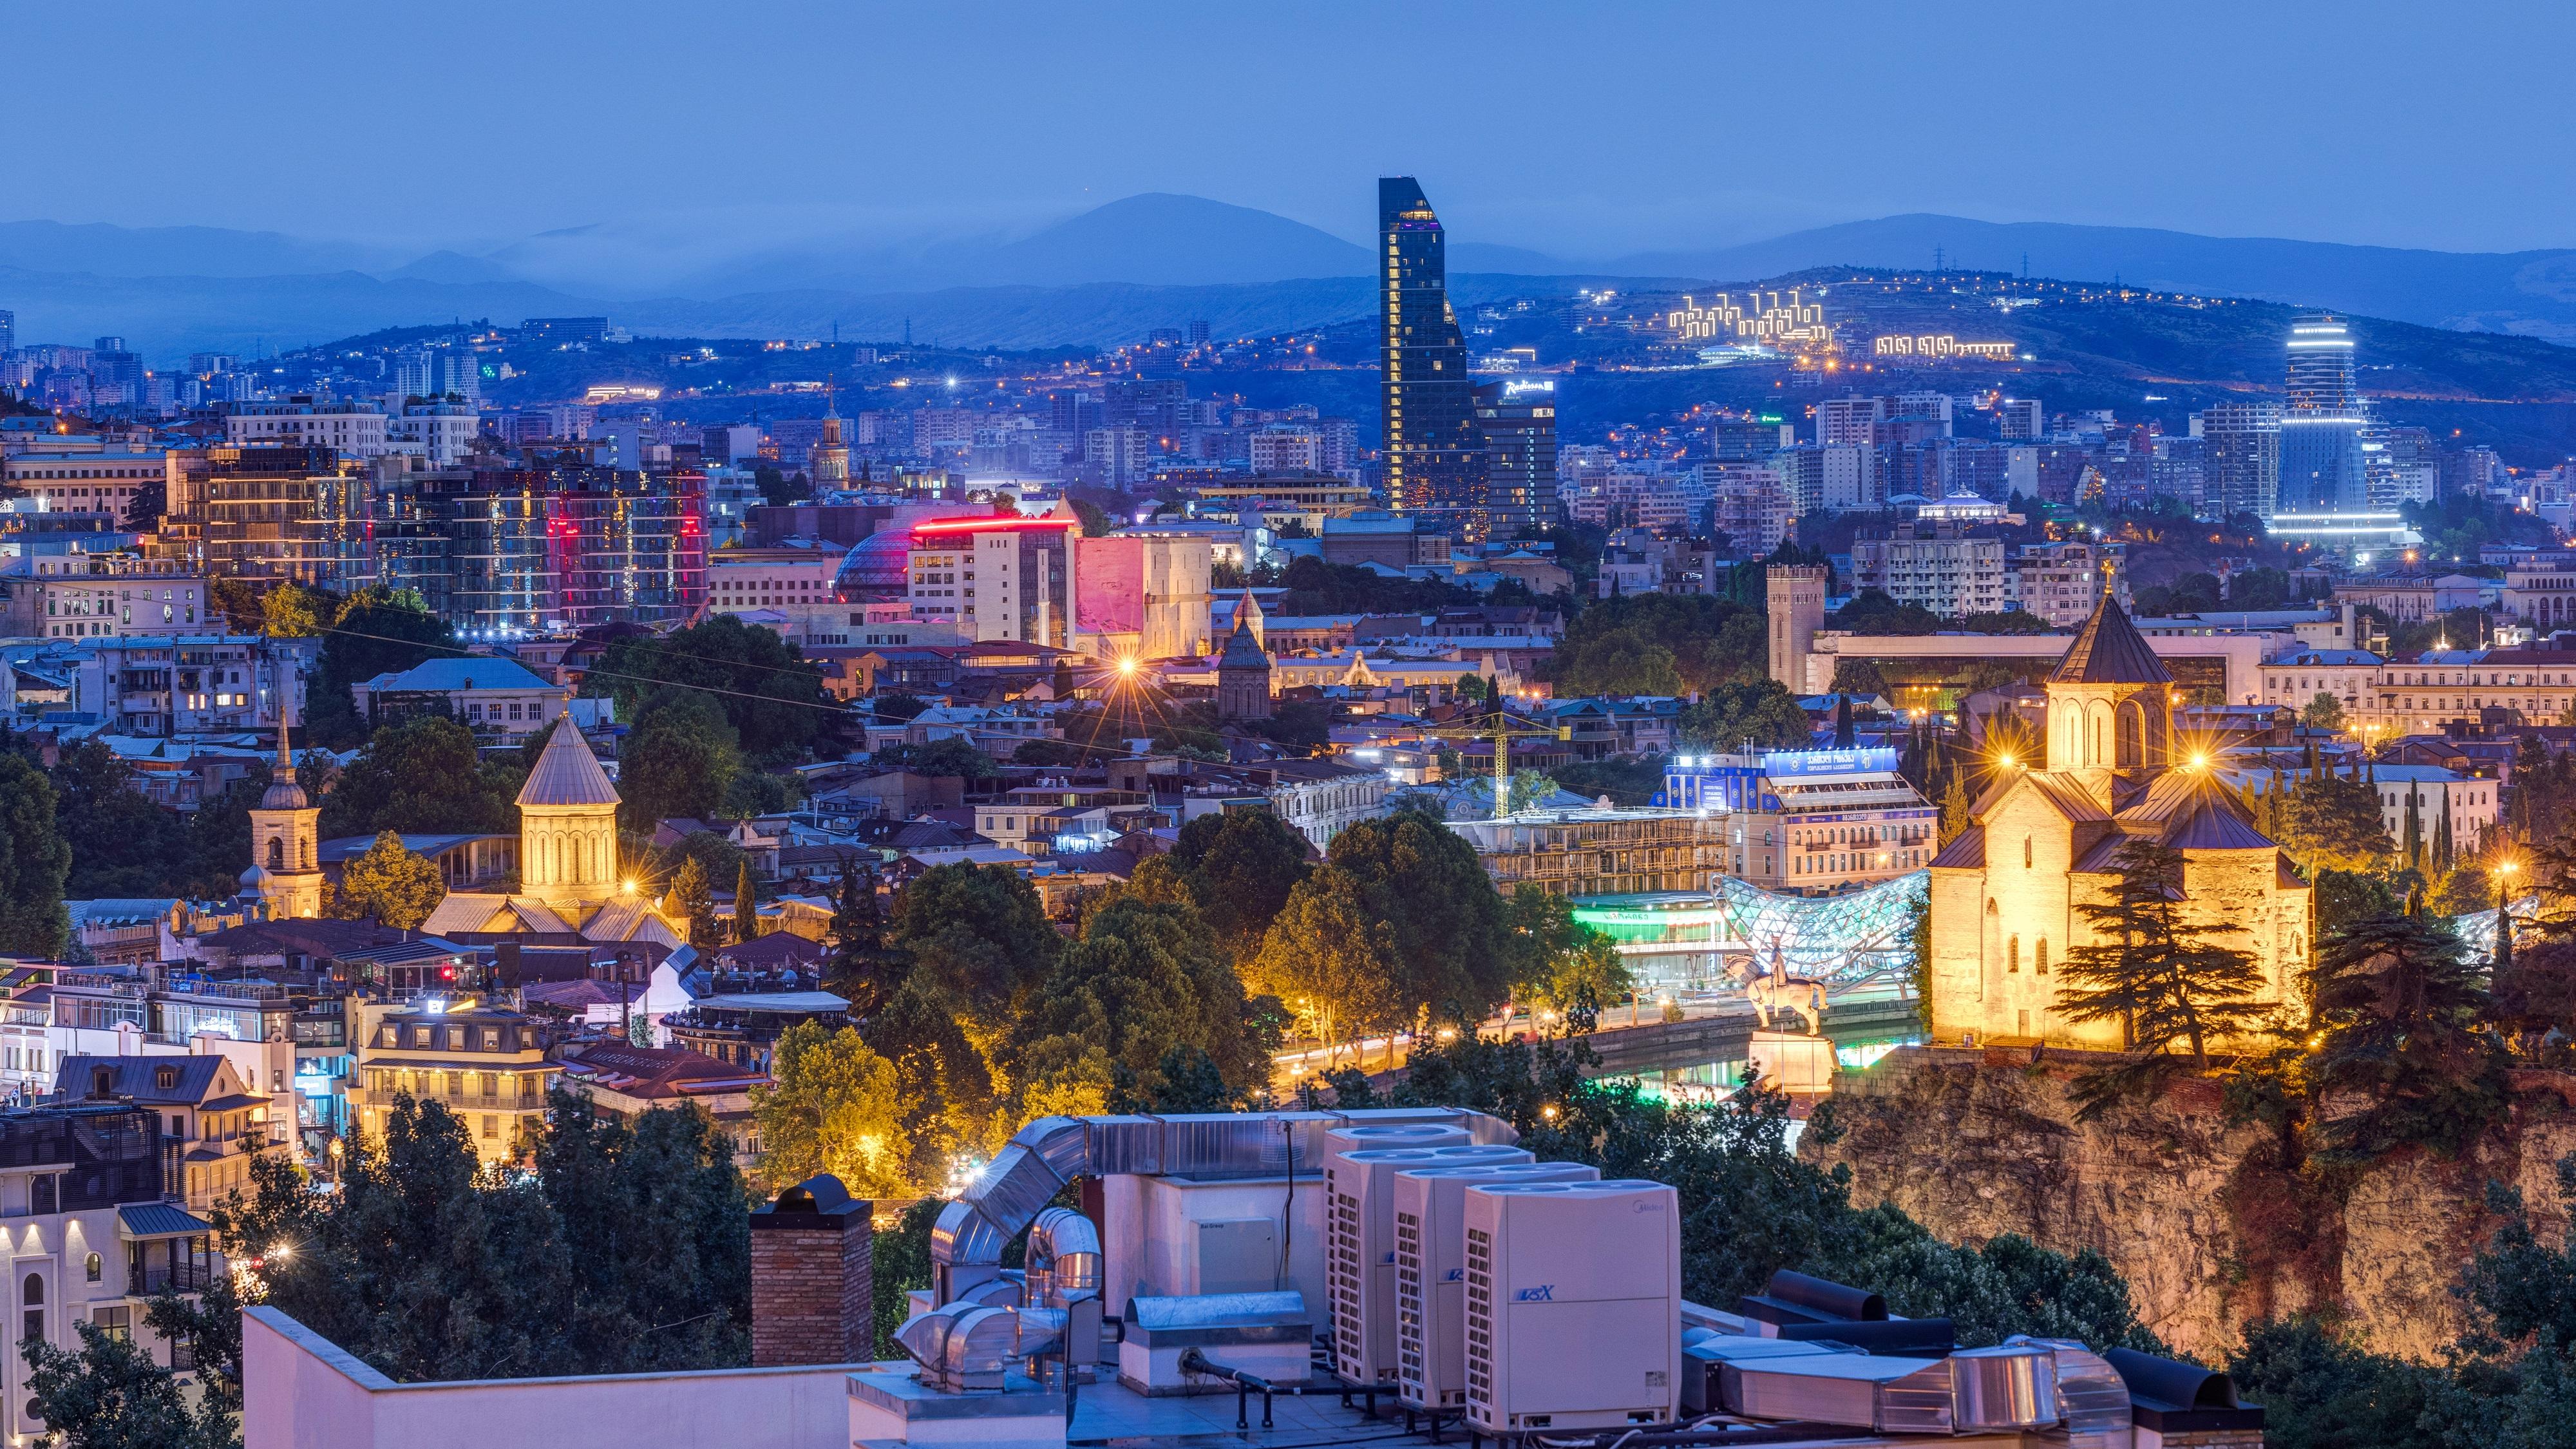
1452, 936
678, 762
2346, 896
1858, 677
626, 1250
770, 694
1871, 611
1146, 979
1331, 960
122, 845
2401, 1010
2325, 712
1238, 867
375, 631
390, 883
423, 776
2334, 823
863, 969
832, 1105
950, 756
1761, 711
899, 1259
1657, 644
691, 899
2319, 1391
2168, 982
1316, 587
35, 861
1567, 966
111, 1394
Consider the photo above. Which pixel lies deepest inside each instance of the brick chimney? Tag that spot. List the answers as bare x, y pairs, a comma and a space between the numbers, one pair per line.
813, 1296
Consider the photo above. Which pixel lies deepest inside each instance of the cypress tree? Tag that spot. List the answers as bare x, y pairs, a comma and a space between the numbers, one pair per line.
746, 906
2414, 844
2442, 840
1954, 807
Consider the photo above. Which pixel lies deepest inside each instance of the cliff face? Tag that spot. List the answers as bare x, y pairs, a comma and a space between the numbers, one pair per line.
2208, 1233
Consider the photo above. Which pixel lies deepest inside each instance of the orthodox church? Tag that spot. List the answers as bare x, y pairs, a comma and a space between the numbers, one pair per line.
285, 875
2043, 841
570, 887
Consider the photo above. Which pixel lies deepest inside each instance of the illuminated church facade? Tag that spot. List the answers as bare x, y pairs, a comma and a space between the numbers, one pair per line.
2042, 842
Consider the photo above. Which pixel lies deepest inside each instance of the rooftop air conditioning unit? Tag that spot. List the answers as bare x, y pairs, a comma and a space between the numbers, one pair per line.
1359, 1246
1431, 1272
1346, 1255
1573, 1305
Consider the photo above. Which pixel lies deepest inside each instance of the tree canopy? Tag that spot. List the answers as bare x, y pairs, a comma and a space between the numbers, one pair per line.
1762, 712
424, 776
391, 883
771, 695
35, 861
678, 761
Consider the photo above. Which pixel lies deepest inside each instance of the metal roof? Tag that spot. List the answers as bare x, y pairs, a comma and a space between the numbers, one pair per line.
567, 773
2110, 650
159, 1220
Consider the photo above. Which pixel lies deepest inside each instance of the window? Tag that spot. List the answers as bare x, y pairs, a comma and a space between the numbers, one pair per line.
165, 1079
32, 1294
2039, 957
2025, 852
116, 1322
41, 1190
2012, 955
491, 1129
92, 1268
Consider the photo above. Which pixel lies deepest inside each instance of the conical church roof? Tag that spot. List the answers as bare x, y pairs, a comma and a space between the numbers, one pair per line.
1242, 651
2110, 650
567, 773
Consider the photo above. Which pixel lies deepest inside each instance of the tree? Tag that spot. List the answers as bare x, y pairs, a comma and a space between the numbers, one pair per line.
1658, 644
2166, 981
1146, 979
1762, 713
424, 776
1858, 676
770, 694
122, 845
832, 1105
863, 970
1452, 932
35, 861
290, 611
427, 1267
1332, 959
2345, 896
976, 942
746, 906
2399, 1007
376, 630
392, 884
111, 1394
1955, 806
2325, 712
2334, 822
1567, 966
677, 762
953, 755
1238, 867
691, 899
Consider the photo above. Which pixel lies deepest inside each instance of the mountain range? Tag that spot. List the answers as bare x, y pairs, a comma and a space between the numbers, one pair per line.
1106, 275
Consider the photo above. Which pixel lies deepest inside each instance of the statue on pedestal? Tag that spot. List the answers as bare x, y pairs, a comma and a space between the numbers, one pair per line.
1783, 992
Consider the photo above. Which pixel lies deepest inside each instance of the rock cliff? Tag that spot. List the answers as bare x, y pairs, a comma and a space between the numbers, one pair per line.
2208, 1231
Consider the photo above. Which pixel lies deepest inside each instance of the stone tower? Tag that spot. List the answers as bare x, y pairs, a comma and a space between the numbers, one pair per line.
568, 826
2110, 706
285, 838
1796, 595
1242, 675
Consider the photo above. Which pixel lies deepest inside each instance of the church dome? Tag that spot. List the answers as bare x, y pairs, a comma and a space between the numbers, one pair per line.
284, 794
253, 878
567, 773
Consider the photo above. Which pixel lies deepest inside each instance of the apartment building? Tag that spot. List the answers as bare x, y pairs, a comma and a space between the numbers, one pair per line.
1935, 566
486, 1064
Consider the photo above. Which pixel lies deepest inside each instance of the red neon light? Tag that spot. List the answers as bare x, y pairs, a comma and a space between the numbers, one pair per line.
996, 524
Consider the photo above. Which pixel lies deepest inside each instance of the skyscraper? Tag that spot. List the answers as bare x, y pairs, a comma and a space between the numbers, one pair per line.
2325, 466
1435, 461
2241, 457
1518, 420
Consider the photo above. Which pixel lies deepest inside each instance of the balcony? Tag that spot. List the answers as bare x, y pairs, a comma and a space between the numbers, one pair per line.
168, 1278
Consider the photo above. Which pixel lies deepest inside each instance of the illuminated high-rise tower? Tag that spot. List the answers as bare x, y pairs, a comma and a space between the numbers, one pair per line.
2332, 457
1435, 457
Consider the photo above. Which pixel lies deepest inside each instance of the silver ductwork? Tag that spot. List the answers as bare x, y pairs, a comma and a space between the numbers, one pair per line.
987, 1318
966, 1243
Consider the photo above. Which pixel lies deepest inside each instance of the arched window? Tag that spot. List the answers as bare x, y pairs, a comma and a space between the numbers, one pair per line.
2039, 956
2131, 738
2025, 852
276, 853
2012, 955
92, 1268
34, 1294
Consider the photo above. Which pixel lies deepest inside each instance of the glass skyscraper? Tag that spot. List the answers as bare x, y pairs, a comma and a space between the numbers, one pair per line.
1518, 419
2328, 442
1435, 458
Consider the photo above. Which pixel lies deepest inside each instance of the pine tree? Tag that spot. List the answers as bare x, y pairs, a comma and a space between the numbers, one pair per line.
746, 906
690, 900
2167, 981
2400, 1007
863, 970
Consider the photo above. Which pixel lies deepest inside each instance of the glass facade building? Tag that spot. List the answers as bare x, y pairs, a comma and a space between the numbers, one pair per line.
1518, 419
1435, 459
2333, 455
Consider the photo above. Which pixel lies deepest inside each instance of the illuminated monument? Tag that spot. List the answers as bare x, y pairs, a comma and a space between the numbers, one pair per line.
2042, 842
572, 887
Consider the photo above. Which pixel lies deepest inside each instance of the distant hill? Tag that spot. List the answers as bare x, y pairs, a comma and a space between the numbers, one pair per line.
2531, 293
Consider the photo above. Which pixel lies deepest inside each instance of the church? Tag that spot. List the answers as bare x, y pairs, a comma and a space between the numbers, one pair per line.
2042, 841
571, 890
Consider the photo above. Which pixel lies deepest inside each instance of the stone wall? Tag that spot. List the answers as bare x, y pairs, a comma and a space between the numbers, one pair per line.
1973, 1144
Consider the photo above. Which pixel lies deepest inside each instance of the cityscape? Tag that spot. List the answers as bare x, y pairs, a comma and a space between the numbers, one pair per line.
1438, 800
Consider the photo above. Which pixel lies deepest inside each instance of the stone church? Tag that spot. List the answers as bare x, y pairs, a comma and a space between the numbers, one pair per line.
2043, 840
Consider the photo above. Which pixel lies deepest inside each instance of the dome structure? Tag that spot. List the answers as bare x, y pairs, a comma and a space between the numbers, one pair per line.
877, 568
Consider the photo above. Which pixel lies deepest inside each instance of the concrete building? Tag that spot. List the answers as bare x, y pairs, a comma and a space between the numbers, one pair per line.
1809, 821
352, 430
285, 873
1935, 566
96, 595
997, 578
1142, 593
1599, 852
2060, 582
212, 1121
487, 693
486, 1064
1796, 602
101, 480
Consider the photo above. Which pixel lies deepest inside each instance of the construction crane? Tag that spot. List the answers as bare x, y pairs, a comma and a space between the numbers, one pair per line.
1498, 726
